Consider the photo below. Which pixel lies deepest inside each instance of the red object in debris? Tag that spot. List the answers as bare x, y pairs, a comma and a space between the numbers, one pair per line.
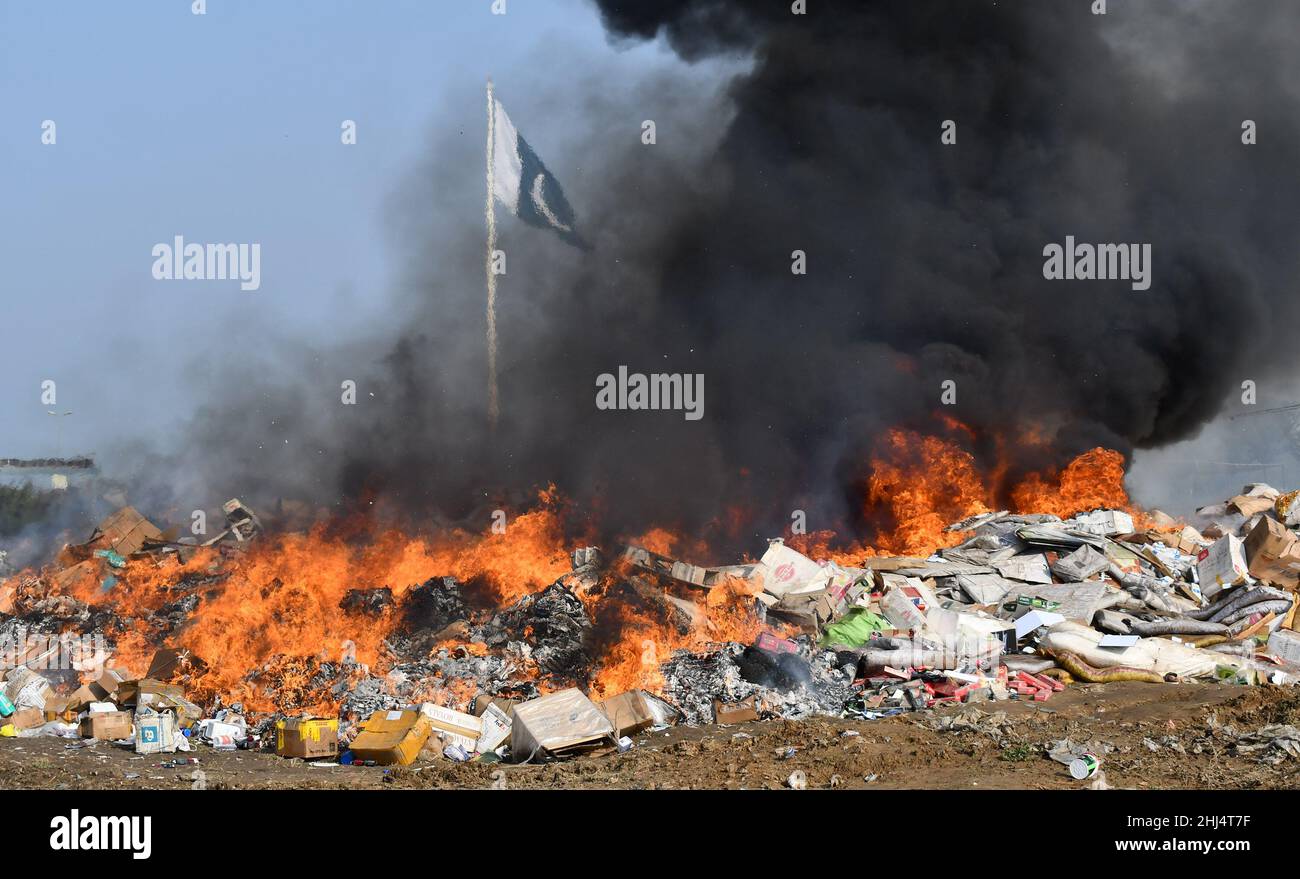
1029, 680
917, 598
949, 689
768, 641
1042, 695
1054, 685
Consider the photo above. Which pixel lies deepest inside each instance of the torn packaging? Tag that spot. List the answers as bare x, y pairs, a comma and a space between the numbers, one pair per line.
106, 686
124, 532
1029, 568
155, 695
167, 661
1285, 645
901, 608
1105, 523
985, 588
453, 727
1076, 601
686, 573
735, 712
27, 718
683, 572
27, 689
1250, 505
244, 523
558, 724
785, 570
482, 702
808, 610
1273, 553
392, 737
1082, 564
628, 713
1221, 566
57, 708
496, 729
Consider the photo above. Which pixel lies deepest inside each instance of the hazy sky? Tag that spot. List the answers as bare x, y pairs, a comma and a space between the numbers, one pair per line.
226, 128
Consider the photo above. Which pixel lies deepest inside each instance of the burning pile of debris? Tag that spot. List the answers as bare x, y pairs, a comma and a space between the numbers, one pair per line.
472, 664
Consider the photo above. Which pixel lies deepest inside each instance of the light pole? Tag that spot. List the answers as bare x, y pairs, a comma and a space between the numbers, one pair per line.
58, 441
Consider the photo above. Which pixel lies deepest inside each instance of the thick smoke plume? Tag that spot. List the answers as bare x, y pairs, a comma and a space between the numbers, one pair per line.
924, 264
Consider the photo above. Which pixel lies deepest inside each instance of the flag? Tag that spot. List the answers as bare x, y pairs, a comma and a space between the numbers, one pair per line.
521, 182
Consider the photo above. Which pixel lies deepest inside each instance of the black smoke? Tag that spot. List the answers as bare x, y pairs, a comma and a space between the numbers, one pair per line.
924, 265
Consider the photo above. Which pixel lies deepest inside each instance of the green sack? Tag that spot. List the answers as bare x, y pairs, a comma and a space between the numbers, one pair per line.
853, 629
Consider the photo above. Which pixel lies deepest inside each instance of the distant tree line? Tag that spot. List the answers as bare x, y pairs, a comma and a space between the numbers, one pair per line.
22, 505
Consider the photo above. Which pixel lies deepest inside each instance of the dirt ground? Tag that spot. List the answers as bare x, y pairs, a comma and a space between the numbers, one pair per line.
898, 752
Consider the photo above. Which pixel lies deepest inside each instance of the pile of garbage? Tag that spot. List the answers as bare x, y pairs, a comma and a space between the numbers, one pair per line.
1022, 608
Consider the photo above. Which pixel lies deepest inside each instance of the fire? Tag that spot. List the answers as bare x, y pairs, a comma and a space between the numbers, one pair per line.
269, 615
923, 483
919, 484
1092, 480
724, 613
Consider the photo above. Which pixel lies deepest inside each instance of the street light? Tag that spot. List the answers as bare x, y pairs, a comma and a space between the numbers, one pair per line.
58, 442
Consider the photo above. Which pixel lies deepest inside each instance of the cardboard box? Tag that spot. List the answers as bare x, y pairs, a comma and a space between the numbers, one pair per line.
482, 701
496, 729
785, 570
1250, 505
125, 532
307, 737
628, 713
392, 737
1285, 645
1082, 564
1273, 553
57, 708
736, 712
453, 727
80, 698
27, 689
808, 610
167, 662
1104, 523
1221, 566
138, 692
901, 609
158, 696
557, 724
1025, 568
27, 718
1188, 540
108, 726
105, 687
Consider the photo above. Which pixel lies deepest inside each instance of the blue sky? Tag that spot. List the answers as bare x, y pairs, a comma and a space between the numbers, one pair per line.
225, 127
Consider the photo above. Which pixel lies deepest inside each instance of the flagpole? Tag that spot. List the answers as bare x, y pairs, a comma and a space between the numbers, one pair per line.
490, 213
